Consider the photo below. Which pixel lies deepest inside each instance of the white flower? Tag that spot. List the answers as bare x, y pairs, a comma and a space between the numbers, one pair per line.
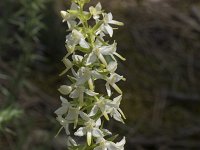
102, 105
79, 91
114, 109
85, 74
75, 38
69, 17
72, 115
82, 75
89, 58
94, 56
91, 128
107, 106
112, 80
62, 111
64, 108
96, 11
109, 145
110, 50
108, 19
100, 51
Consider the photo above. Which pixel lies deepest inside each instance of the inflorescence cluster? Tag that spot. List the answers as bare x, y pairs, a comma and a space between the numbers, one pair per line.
90, 58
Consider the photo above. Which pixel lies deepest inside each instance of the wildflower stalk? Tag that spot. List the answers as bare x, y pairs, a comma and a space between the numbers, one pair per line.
89, 58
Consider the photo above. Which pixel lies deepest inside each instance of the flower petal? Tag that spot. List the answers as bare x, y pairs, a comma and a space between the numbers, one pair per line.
107, 132
109, 17
108, 89
96, 75
108, 50
62, 110
98, 6
74, 94
98, 122
94, 110
91, 59
84, 116
116, 22
80, 132
97, 132
64, 101
117, 100
90, 92
112, 66
72, 114
103, 60
117, 116
121, 143
65, 15
74, 6
109, 29
83, 43
112, 146
116, 88
89, 138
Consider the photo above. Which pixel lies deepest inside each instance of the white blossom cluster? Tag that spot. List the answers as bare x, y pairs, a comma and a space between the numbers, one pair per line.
89, 58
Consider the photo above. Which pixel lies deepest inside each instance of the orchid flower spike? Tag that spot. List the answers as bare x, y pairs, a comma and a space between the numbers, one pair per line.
89, 57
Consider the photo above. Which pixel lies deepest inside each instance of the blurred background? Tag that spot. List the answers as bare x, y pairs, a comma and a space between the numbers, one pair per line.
161, 42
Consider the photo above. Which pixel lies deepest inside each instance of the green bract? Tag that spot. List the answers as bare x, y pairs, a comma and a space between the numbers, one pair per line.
89, 58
